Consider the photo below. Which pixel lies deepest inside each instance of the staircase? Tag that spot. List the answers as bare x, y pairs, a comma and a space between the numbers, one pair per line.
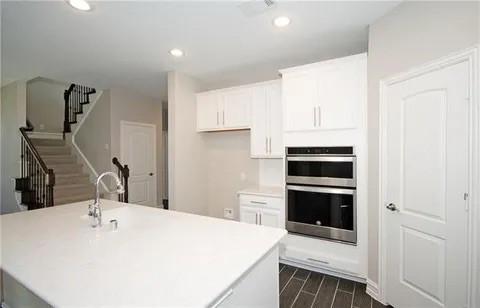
50, 172
71, 183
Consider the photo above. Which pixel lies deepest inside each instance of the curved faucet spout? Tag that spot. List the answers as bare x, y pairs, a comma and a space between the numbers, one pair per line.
95, 211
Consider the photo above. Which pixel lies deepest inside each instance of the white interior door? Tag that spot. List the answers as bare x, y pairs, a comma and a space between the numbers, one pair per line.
138, 151
426, 179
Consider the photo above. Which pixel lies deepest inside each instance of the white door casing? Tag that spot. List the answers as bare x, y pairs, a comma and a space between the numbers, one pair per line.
138, 151
427, 149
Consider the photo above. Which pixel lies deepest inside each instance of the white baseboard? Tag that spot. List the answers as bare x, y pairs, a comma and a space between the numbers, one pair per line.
372, 290
300, 264
90, 169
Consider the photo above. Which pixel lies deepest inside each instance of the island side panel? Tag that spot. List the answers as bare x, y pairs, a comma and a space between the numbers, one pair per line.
257, 288
15, 295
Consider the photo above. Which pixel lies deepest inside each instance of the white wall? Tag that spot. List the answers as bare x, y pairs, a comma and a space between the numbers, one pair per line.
187, 166
13, 101
126, 105
411, 34
45, 104
230, 169
94, 135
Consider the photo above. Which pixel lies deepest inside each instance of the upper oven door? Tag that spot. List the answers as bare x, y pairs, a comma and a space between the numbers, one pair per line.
322, 170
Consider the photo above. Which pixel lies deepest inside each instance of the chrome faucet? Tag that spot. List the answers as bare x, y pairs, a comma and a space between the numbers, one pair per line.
94, 210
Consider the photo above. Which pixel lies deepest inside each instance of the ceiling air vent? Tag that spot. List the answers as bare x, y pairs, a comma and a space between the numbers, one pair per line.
254, 8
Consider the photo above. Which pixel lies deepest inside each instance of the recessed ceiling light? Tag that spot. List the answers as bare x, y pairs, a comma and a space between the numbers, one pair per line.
281, 21
176, 52
81, 5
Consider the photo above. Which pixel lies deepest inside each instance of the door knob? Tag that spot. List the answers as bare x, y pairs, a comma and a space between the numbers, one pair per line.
392, 207
150, 174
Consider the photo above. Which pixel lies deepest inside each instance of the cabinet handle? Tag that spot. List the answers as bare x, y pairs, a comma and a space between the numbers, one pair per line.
223, 116
258, 202
266, 145
314, 116
217, 118
319, 116
269, 145
260, 217
256, 218
319, 261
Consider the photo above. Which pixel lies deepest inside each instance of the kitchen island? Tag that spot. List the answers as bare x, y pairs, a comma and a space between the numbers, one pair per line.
155, 258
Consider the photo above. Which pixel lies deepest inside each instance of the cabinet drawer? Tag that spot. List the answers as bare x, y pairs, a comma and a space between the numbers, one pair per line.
262, 201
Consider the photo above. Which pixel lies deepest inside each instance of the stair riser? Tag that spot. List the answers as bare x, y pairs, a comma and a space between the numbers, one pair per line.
53, 151
71, 180
59, 161
67, 169
71, 192
48, 142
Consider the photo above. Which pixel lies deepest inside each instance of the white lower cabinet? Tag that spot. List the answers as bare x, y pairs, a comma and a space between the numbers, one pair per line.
260, 210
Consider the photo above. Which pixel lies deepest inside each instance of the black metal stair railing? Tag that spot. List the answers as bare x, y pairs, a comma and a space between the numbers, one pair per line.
75, 97
37, 181
123, 173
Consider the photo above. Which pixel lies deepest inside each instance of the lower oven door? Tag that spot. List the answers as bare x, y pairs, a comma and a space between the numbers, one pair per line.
322, 212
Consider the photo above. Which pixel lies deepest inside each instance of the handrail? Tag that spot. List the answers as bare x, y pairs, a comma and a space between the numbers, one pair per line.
28, 142
123, 173
37, 180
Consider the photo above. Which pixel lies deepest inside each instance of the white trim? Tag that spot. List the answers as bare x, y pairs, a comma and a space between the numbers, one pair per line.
45, 135
372, 290
122, 149
470, 55
86, 162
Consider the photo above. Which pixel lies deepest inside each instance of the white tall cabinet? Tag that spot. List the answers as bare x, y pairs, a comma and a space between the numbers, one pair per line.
266, 135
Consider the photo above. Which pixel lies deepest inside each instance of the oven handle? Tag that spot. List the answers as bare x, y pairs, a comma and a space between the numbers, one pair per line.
322, 158
327, 190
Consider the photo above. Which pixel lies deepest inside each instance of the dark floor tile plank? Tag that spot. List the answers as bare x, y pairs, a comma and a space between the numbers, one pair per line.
289, 294
304, 300
301, 274
326, 293
342, 299
346, 285
360, 298
313, 283
376, 304
285, 275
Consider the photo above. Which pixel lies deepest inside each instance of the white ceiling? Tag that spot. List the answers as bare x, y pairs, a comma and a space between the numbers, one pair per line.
126, 44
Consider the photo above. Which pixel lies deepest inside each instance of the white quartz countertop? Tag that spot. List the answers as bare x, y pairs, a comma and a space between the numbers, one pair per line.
155, 258
266, 191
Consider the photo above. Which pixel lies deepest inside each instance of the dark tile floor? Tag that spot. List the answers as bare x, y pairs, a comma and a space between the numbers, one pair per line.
301, 288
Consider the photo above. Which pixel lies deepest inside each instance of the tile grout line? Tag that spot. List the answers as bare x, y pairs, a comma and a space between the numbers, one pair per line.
318, 290
335, 294
353, 294
298, 294
288, 281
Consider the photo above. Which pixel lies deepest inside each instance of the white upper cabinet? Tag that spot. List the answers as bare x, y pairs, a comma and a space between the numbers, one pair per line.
208, 111
325, 95
236, 107
266, 133
224, 109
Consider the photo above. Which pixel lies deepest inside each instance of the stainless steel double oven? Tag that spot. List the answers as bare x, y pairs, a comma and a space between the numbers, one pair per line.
321, 192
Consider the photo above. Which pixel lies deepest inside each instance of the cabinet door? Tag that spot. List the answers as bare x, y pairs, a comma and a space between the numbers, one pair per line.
249, 215
258, 134
270, 218
340, 95
274, 120
299, 92
208, 116
236, 108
